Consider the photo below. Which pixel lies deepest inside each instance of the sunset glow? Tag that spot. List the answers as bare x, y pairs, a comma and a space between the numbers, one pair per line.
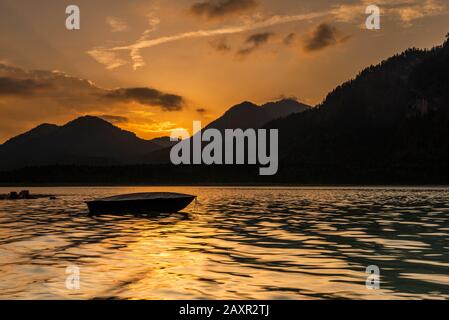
190, 61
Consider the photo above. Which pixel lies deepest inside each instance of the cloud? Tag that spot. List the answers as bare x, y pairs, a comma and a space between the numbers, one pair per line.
323, 36
12, 86
116, 24
288, 40
255, 41
114, 119
349, 12
427, 8
259, 38
20, 83
285, 97
153, 24
212, 9
220, 45
156, 127
404, 10
147, 96
68, 91
110, 58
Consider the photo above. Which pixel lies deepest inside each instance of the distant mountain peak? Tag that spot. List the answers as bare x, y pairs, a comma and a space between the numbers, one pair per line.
284, 101
89, 121
284, 107
247, 114
86, 140
46, 125
245, 105
35, 133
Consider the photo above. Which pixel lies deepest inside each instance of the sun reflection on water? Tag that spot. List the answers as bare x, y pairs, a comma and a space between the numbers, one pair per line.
246, 243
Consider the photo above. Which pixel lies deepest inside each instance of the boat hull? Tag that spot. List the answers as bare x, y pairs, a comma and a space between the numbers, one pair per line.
143, 206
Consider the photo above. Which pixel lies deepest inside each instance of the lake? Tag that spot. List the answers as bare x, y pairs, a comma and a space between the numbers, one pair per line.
234, 243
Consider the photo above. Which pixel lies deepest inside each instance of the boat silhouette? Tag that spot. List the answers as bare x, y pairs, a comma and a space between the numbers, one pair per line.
141, 203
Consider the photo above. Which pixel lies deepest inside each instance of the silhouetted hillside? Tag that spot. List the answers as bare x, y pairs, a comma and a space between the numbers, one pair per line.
93, 141
249, 115
284, 108
86, 140
391, 123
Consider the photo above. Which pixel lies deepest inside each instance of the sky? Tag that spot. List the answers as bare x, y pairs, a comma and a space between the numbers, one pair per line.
153, 66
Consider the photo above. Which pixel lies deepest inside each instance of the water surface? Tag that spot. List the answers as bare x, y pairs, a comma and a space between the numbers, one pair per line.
235, 243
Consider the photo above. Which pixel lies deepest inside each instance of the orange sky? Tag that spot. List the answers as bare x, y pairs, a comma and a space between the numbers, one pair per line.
190, 59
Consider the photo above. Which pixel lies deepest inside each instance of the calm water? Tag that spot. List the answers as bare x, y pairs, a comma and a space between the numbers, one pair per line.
245, 243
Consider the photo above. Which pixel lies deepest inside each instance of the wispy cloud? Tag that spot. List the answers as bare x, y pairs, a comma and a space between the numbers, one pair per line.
11, 86
406, 11
289, 39
111, 59
147, 96
117, 24
220, 8
153, 24
109, 56
156, 127
221, 45
409, 13
323, 36
254, 41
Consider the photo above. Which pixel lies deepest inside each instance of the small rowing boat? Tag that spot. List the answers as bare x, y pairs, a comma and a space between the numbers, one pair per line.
141, 203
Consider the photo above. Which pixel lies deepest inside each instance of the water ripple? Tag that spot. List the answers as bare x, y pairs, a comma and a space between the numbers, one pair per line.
236, 243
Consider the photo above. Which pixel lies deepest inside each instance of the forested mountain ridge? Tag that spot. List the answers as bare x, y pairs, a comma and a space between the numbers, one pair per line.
392, 120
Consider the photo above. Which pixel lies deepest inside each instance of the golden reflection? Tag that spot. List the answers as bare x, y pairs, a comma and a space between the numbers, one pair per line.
234, 245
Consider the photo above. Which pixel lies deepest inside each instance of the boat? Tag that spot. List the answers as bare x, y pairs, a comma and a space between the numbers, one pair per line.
141, 203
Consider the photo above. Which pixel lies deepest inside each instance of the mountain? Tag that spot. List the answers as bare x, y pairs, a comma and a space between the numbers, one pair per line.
390, 124
244, 116
94, 141
86, 140
249, 115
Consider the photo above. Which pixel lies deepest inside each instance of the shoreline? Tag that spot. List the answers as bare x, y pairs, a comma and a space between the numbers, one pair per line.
227, 185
